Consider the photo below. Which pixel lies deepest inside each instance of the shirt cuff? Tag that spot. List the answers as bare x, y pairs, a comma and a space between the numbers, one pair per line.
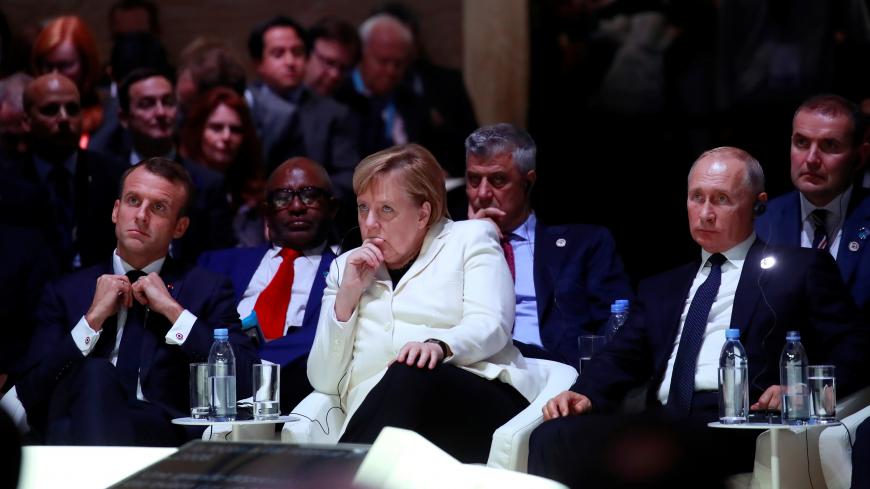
179, 331
84, 336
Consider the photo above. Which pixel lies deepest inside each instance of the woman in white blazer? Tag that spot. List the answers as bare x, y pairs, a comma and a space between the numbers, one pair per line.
415, 327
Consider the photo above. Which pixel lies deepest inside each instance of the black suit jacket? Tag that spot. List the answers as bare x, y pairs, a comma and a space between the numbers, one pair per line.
164, 368
26, 201
803, 291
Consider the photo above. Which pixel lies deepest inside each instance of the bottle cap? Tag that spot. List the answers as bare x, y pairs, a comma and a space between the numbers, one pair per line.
732, 334
221, 333
617, 307
793, 336
623, 302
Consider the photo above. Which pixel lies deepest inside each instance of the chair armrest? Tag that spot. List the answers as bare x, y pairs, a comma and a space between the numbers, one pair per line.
510, 442
835, 449
853, 403
320, 419
10, 403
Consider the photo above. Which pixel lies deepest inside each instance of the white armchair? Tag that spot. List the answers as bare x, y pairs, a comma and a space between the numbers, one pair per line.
835, 443
322, 416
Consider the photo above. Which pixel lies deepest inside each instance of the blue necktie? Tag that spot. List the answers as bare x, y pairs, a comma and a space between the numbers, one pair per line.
130, 350
683, 376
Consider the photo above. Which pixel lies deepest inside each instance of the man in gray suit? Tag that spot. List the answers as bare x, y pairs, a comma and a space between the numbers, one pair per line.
291, 119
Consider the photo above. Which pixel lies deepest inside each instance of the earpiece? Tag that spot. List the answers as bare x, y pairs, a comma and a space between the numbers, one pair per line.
758, 208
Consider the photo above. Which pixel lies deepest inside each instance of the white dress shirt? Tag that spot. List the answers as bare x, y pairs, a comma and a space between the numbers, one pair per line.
719, 319
522, 239
837, 209
304, 270
86, 338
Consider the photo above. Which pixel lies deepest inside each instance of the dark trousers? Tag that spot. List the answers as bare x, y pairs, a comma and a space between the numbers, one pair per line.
294, 383
90, 406
861, 457
643, 450
456, 410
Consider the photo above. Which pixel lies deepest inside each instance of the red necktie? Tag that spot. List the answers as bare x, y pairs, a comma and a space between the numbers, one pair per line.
271, 306
509, 256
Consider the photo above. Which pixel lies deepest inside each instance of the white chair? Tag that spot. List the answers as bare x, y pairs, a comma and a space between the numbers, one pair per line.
835, 443
322, 418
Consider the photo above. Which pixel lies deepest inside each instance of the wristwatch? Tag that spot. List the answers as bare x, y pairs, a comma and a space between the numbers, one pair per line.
445, 350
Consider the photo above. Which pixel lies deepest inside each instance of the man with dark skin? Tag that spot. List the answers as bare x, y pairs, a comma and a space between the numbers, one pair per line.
299, 209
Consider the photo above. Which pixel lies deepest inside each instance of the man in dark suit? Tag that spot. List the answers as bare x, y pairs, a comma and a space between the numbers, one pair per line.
566, 276
292, 119
65, 192
827, 210
149, 115
673, 340
109, 362
299, 210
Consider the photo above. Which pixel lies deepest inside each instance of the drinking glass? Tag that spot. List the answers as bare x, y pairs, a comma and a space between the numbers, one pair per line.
199, 391
267, 391
589, 345
823, 393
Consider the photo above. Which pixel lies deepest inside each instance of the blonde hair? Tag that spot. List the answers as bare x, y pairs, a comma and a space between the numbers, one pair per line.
421, 176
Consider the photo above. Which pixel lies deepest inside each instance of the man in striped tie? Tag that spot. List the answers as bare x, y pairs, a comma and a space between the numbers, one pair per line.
829, 209
673, 339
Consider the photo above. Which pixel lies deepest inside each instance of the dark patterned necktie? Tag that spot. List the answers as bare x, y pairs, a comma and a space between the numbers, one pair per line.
130, 350
509, 256
819, 219
683, 376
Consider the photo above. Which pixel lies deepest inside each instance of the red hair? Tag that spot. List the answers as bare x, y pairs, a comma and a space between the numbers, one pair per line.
72, 28
249, 163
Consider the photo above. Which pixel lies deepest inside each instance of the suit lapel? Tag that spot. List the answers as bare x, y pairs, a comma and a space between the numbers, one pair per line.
545, 250
752, 279
858, 218
315, 295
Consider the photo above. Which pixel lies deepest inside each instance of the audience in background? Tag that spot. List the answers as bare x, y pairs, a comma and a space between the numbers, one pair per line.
333, 51
127, 16
290, 118
205, 64
67, 46
13, 120
56, 186
219, 133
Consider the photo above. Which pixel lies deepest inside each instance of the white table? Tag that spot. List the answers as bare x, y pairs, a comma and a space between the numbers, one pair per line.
50, 467
240, 430
786, 456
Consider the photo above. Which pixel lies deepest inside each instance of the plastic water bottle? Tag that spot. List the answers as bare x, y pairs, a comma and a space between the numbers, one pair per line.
222, 377
793, 379
616, 320
733, 380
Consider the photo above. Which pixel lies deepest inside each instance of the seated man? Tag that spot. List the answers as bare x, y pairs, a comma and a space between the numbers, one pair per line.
673, 340
566, 276
108, 364
285, 300
827, 210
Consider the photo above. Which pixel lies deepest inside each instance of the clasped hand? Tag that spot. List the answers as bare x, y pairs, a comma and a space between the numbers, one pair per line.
115, 291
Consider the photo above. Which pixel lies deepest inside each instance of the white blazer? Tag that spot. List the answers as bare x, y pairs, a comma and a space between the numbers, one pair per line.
459, 290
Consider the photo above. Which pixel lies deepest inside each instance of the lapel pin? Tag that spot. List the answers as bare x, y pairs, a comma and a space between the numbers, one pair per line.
854, 246
768, 262
561, 242
863, 233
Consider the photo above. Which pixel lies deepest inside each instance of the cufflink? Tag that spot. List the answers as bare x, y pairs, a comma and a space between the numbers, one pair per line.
179, 336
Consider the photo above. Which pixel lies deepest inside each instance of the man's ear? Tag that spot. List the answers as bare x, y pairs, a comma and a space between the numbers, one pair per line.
115, 211
180, 227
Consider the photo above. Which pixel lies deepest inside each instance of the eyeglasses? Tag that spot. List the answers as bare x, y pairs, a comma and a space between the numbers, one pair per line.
332, 63
310, 196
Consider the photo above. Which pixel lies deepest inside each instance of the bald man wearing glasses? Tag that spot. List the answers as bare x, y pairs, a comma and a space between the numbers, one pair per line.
278, 287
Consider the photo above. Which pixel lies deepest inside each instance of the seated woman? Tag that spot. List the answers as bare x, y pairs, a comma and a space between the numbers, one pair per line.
219, 133
415, 327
